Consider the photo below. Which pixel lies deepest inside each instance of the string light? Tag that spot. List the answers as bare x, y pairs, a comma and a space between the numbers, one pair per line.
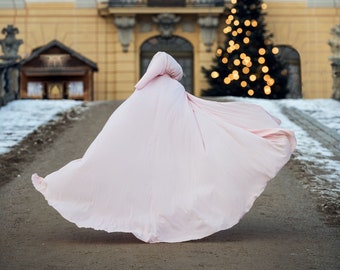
236, 22
271, 82
224, 60
246, 40
243, 55
252, 77
233, 1
226, 80
264, 6
275, 50
261, 60
243, 83
247, 23
219, 52
234, 33
266, 77
230, 17
265, 69
248, 33
233, 10
262, 51
214, 74
251, 92
253, 23
237, 62
245, 70
267, 90
239, 30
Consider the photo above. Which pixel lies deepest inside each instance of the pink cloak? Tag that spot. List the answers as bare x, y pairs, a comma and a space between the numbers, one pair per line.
168, 166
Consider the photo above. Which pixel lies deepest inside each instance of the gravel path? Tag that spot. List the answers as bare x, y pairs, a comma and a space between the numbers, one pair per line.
283, 230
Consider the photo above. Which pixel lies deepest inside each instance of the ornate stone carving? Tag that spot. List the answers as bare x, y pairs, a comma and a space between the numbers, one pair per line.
334, 43
166, 23
125, 25
208, 25
10, 44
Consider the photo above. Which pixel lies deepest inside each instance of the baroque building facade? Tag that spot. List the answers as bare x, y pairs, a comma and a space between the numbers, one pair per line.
121, 36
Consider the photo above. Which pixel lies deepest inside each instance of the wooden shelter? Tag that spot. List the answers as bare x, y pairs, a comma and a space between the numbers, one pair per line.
55, 71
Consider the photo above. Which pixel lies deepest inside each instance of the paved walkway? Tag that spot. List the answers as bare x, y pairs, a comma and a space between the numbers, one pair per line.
283, 230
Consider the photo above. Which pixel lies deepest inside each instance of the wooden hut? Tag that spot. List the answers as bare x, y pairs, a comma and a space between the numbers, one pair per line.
55, 71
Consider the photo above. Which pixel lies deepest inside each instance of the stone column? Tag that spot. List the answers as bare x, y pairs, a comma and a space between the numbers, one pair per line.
334, 43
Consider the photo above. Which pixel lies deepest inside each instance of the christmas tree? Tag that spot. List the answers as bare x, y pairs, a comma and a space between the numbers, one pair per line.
248, 65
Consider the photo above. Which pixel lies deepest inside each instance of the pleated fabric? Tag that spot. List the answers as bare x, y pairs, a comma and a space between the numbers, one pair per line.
168, 166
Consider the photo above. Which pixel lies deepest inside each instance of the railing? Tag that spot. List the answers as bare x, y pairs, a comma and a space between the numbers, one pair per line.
165, 3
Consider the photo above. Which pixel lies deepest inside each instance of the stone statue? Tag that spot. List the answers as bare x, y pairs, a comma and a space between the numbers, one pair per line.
10, 45
334, 43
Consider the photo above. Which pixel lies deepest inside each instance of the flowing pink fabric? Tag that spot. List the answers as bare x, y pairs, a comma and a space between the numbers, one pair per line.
168, 166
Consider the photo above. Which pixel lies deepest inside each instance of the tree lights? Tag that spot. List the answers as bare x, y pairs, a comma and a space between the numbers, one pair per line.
248, 63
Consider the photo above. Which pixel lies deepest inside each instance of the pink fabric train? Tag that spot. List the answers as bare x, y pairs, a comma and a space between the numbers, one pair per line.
168, 166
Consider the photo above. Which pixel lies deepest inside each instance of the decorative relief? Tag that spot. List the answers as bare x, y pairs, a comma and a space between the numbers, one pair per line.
166, 23
208, 25
125, 25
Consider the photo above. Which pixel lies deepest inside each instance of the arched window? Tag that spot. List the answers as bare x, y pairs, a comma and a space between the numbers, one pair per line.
292, 58
177, 47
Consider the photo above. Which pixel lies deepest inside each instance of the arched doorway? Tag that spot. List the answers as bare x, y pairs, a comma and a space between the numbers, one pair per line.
292, 58
178, 47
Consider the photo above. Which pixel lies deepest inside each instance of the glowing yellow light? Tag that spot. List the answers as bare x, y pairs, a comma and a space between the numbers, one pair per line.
233, 10
246, 22
219, 52
248, 33
275, 50
234, 33
271, 82
249, 64
264, 6
253, 23
261, 60
214, 74
237, 46
267, 90
236, 76
250, 92
229, 50
266, 77
225, 30
233, 1
262, 51
237, 62
236, 22
252, 77
243, 83
245, 70
239, 30
243, 55
226, 80
265, 69
246, 40
230, 17
224, 60
231, 42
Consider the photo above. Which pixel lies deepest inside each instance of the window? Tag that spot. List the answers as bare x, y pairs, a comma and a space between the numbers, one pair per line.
35, 90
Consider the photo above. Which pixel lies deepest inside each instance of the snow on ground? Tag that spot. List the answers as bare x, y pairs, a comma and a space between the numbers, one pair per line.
309, 150
21, 117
